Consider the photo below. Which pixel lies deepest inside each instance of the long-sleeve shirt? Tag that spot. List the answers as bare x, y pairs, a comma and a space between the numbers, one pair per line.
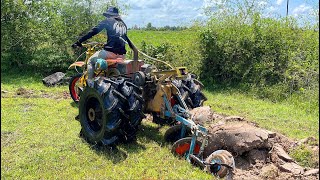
115, 28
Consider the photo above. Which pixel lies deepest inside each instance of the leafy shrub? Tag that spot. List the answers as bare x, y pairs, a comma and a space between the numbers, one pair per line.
276, 57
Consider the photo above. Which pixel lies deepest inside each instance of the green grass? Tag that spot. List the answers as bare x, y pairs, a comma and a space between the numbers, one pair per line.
156, 38
305, 156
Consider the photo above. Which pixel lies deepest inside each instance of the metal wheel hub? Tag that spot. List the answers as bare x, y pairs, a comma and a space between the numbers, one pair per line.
91, 114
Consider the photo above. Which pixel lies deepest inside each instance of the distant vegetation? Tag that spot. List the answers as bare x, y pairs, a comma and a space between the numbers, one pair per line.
149, 27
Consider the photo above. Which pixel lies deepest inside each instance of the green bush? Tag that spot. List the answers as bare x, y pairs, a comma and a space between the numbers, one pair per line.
275, 57
176, 55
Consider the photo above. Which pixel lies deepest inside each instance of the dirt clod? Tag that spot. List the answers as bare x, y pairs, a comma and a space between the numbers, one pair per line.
237, 138
280, 153
291, 167
269, 171
271, 134
258, 153
203, 115
311, 172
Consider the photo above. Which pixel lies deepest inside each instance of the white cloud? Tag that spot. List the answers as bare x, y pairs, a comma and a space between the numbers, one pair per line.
302, 9
271, 11
279, 2
141, 4
262, 3
163, 12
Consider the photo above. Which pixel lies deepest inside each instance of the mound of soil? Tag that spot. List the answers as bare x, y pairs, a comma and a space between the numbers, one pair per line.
258, 153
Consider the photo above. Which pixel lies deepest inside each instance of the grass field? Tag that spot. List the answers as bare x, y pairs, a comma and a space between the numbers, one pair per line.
39, 136
177, 38
156, 38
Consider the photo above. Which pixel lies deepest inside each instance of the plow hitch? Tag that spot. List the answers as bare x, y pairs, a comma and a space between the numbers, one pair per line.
220, 163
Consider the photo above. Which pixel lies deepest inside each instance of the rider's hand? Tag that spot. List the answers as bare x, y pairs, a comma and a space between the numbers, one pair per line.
76, 44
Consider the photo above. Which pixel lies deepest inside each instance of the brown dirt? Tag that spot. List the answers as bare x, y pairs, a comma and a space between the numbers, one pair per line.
26, 93
258, 153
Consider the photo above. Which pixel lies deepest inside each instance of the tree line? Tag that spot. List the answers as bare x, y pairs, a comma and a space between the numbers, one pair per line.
149, 27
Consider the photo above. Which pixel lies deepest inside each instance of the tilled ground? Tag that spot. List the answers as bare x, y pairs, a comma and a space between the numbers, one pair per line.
258, 153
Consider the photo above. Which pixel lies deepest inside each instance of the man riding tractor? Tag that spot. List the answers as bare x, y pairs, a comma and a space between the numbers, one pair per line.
115, 46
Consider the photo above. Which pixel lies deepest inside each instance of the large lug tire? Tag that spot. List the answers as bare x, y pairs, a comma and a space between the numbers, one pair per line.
173, 134
74, 88
108, 105
133, 110
190, 89
92, 115
122, 105
124, 102
181, 147
113, 106
223, 157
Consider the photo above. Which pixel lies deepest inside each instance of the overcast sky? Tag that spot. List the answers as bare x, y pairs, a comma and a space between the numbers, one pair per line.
184, 12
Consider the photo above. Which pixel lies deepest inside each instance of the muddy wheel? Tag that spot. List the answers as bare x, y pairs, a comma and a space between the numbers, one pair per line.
74, 89
92, 115
181, 147
173, 134
223, 157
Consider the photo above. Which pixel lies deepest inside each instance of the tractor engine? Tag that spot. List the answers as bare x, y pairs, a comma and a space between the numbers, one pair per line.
126, 66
